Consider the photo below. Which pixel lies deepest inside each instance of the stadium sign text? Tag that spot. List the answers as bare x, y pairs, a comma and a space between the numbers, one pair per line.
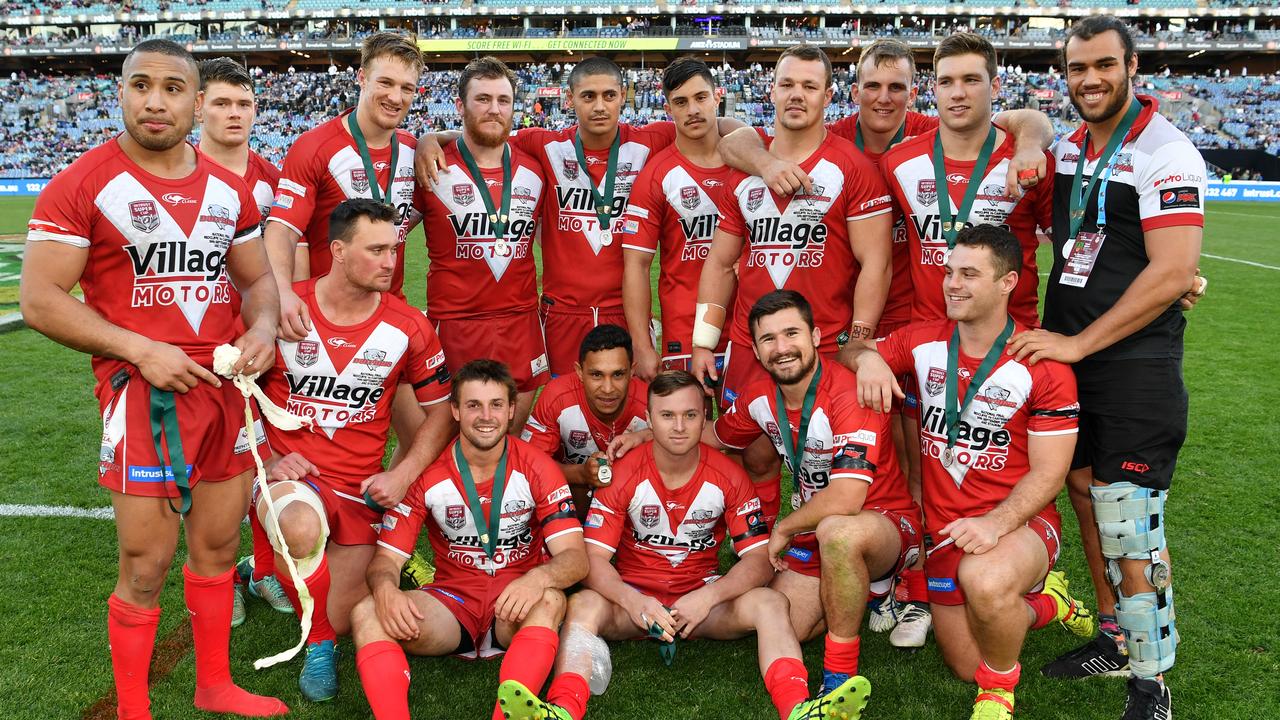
545, 44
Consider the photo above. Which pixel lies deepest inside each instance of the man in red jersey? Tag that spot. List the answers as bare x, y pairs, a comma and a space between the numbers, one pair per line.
653, 540
832, 242
502, 569
363, 343
997, 437
593, 167
227, 112
675, 206
155, 233
579, 414
853, 525
482, 286
361, 153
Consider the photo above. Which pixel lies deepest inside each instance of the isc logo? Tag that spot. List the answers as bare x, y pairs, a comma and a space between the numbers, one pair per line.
1140, 468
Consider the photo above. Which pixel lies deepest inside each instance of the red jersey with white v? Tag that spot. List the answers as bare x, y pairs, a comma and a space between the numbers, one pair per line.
908, 168
1017, 400
322, 169
801, 242
344, 378
467, 276
157, 247
578, 270
844, 440
262, 178
536, 508
676, 206
562, 425
667, 541
897, 308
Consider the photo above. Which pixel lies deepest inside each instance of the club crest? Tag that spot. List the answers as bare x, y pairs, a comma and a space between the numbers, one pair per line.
927, 192
571, 169
578, 438
144, 215
307, 354
649, 515
359, 180
935, 382
689, 197
755, 198
455, 516
464, 193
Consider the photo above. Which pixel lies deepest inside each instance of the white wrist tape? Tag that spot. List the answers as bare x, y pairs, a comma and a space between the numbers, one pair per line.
705, 335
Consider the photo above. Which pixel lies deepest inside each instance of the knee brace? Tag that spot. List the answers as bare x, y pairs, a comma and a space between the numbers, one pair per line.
1131, 525
300, 493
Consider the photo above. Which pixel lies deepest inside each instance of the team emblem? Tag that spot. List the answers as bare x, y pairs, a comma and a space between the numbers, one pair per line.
464, 193
689, 197
571, 169
649, 515
455, 516
144, 215
815, 196
936, 381
578, 438
996, 396
307, 354
755, 198
927, 192
359, 180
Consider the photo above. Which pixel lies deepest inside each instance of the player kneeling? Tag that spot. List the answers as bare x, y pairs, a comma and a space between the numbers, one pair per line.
494, 508
996, 439
661, 520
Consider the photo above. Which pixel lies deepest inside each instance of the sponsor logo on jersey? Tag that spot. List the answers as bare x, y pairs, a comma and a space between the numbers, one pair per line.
284, 201
712, 183
218, 215
177, 199
699, 227
993, 193
927, 192
936, 381
307, 354
755, 198
995, 397
594, 520
942, 584
464, 193
749, 506
1182, 197
327, 387
649, 515
296, 188
1180, 178
571, 169
339, 342
558, 494
359, 180
381, 165
373, 357
958, 179
690, 198
455, 517
144, 215
435, 360
578, 438
818, 195
177, 259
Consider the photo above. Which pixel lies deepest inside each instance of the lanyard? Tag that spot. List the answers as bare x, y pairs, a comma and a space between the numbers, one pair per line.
795, 453
1079, 195
165, 434
955, 409
497, 219
603, 201
358, 135
951, 224
488, 537
897, 138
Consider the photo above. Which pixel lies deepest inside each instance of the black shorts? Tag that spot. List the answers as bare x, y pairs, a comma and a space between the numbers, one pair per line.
1133, 420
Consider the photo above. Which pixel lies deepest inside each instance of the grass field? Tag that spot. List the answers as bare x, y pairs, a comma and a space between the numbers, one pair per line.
1222, 520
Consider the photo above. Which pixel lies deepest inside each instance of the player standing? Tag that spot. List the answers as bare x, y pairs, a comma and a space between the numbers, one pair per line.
495, 587
363, 343
675, 206
579, 414
1128, 223
996, 437
482, 286
155, 233
662, 521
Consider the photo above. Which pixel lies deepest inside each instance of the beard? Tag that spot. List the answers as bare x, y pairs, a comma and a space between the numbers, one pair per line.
483, 135
1112, 108
794, 374
176, 134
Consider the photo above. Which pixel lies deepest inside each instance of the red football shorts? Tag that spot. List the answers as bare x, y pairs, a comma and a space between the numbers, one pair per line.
351, 521
514, 338
565, 327
473, 607
210, 421
943, 561
804, 558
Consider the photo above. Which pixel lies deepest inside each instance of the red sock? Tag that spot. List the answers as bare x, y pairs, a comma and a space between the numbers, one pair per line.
571, 692
131, 632
916, 585
788, 684
209, 603
988, 679
528, 660
318, 586
841, 656
1044, 607
770, 493
264, 556
384, 673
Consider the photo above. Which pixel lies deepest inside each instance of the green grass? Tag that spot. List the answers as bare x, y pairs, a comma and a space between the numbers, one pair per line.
1222, 520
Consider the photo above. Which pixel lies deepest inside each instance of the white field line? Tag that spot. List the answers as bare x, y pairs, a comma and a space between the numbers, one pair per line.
49, 511
1242, 262
1260, 216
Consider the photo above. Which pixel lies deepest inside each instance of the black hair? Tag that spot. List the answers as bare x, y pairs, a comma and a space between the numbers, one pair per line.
1006, 251
595, 65
224, 70
1087, 28
682, 70
162, 47
605, 337
484, 370
342, 221
777, 301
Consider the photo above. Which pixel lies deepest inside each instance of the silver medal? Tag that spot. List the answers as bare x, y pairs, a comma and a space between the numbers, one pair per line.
606, 237
604, 473
948, 457
500, 247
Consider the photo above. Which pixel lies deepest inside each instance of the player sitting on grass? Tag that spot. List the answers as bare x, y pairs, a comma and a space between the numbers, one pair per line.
661, 521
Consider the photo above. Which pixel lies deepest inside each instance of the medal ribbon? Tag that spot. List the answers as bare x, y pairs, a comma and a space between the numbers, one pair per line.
954, 409
897, 138
363, 147
795, 453
497, 219
165, 433
951, 224
489, 537
604, 201
1079, 196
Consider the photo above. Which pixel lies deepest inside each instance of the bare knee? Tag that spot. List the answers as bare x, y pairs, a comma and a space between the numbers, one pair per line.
364, 621
841, 536
301, 528
984, 586
142, 575
552, 603
766, 604
586, 606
